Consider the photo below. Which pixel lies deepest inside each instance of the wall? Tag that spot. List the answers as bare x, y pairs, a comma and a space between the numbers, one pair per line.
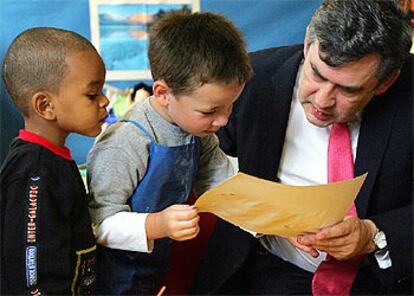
265, 23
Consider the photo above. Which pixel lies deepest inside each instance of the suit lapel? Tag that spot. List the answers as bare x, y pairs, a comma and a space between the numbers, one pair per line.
283, 82
374, 134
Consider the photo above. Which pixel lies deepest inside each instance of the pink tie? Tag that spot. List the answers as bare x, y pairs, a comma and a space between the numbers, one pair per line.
333, 277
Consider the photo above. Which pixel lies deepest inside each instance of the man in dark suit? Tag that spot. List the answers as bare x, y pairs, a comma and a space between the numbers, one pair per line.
354, 69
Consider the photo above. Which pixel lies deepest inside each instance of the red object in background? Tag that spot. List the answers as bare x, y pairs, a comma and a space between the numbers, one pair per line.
186, 256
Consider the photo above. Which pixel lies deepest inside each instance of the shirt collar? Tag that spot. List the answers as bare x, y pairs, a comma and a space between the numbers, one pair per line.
36, 139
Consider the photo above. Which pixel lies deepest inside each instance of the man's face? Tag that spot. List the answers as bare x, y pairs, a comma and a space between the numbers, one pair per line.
336, 94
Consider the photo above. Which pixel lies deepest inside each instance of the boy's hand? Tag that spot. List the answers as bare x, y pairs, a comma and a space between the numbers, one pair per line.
178, 222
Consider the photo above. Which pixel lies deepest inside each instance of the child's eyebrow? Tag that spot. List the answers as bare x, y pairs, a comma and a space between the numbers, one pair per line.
209, 109
95, 83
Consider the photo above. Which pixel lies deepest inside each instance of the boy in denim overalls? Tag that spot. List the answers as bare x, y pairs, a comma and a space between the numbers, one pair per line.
143, 168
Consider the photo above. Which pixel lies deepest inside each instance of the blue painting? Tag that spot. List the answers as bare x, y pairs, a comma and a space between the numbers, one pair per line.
121, 34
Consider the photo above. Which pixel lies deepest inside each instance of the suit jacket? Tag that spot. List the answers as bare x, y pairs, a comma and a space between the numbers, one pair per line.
255, 134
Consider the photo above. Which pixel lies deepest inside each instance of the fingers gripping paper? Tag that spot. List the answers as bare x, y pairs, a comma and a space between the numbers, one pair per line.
271, 208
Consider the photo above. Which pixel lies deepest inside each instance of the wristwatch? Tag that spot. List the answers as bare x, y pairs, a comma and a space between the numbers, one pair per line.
380, 240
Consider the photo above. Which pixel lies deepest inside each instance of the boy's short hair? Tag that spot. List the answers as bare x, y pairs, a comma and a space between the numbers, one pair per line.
187, 50
36, 61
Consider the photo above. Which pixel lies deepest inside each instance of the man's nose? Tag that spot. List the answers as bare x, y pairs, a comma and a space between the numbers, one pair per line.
325, 96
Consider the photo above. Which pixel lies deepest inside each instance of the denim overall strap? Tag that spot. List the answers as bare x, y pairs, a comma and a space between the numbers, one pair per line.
141, 128
169, 180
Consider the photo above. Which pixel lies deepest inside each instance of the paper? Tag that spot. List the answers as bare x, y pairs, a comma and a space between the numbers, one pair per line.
268, 207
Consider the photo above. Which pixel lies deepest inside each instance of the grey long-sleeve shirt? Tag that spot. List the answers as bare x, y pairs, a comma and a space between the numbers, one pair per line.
117, 163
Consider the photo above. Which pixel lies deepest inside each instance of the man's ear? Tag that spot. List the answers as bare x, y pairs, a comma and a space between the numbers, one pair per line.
43, 106
161, 92
387, 83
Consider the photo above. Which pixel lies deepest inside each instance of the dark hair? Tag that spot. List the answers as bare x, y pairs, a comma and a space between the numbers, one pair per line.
188, 50
347, 30
141, 85
36, 61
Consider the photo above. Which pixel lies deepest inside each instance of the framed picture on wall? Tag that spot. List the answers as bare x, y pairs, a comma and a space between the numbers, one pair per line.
119, 30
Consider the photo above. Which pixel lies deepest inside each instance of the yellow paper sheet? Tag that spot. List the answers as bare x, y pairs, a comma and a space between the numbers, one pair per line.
268, 207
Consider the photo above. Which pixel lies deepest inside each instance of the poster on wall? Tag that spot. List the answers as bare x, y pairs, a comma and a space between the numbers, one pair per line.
119, 30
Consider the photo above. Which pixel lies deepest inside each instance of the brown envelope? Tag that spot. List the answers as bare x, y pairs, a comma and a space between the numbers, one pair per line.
271, 208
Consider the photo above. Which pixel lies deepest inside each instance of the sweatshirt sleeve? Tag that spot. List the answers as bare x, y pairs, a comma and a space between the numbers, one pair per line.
37, 232
115, 167
20, 260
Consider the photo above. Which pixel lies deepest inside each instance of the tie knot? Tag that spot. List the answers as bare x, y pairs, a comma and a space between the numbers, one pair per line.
340, 128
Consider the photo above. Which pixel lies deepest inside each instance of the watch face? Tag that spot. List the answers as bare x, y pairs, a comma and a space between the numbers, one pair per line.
380, 240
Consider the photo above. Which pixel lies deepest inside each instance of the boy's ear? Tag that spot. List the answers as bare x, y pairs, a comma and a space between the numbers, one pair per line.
161, 92
42, 104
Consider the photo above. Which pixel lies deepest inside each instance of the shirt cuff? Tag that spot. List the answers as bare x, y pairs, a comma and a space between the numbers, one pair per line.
255, 234
124, 231
383, 258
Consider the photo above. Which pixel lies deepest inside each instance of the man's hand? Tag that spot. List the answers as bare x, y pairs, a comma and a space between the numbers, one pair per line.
344, 240
308, 249
178, 222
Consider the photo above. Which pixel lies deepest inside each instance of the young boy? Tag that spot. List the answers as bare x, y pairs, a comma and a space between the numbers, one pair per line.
55, 78
143, 168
